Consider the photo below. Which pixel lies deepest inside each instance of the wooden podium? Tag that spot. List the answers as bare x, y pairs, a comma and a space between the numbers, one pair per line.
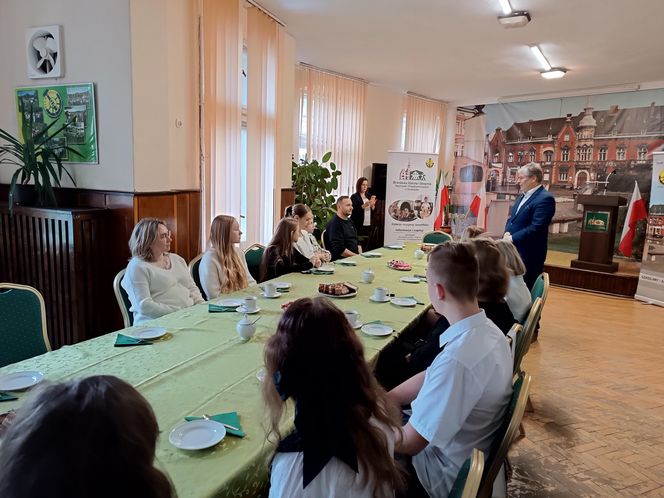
598, 232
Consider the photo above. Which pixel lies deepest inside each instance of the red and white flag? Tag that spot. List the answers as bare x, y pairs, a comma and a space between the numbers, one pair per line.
444, 201
635, 212
478, 206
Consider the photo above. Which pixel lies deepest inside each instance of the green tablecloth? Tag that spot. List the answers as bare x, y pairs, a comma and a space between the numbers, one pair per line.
202, 366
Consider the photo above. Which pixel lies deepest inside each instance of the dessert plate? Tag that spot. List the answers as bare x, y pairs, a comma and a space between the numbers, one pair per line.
18, 381
197, 434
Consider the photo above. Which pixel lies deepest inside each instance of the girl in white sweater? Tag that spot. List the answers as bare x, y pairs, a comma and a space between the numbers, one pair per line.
223, 268
307, 245
157, 282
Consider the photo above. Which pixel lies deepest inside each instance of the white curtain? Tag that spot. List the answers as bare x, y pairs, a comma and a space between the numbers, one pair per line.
335, 121
425, 124
221, 39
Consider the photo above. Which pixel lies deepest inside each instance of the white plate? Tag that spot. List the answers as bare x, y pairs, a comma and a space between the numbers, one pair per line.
282, 285
323, 270
343, 262
386, 300
229, 303
404, 301
274, 296
372, 253
148, 333
18, 381
341, 296
197, 434
410, 280
240, 309
395, 246
377, 329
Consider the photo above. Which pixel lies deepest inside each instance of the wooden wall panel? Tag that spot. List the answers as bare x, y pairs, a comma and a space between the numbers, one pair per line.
606, 283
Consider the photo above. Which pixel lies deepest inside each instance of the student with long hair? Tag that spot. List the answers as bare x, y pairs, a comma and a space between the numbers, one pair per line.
307, 244
342, 444
157, 281
518, 295
80, 438
223, 268
280, 256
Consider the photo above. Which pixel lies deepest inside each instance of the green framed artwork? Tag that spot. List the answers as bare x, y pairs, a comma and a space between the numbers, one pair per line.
73, 103
596, 221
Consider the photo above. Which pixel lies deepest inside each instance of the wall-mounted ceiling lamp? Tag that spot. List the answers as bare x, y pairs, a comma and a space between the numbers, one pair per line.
549, 72
510, 18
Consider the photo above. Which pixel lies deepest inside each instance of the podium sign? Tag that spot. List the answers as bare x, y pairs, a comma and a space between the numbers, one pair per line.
598, 232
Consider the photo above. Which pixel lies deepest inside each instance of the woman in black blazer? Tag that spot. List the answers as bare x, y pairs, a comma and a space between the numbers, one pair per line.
363, 205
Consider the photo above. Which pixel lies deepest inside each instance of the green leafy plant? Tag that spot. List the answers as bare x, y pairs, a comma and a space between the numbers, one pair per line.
314, 183
35, 158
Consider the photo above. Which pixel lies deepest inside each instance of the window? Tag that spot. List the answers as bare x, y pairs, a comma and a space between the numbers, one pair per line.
532, 155
643, 152
586, 153
562, 175
243, 150
577, 157
620, 154
520, 153
602, 153
510, 157
565, 155
496, 158
548, 156
566, 137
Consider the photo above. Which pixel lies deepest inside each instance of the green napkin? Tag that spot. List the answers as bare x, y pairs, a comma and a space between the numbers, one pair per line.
125, 340
7, 397
215, 308
229, 418
345, 263
370, 255
413, 297
394, 248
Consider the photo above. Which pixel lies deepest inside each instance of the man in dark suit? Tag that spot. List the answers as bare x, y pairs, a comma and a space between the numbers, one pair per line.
528, 225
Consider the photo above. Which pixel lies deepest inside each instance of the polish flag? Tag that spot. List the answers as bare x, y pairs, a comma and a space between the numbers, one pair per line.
635, 212
478, 206
444, 201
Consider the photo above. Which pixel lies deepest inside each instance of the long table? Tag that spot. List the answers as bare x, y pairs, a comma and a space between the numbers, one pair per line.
202, 366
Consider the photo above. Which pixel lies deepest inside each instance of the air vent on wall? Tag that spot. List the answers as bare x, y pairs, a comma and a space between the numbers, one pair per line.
43, 52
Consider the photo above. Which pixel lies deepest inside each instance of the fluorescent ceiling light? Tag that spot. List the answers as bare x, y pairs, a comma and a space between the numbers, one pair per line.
540, 57
505, 5
553, 73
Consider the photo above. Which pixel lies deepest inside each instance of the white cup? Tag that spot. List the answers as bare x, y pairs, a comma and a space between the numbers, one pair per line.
380, 293
419, 254
353, 317
249, 303
270, 289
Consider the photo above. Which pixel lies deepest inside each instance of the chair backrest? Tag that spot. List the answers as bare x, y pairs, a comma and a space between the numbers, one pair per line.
540, 288
468, 479
505, 434
193, 270
436, 237
254, 255
513, 336
524, 339
322, 239
123, 299
22, 323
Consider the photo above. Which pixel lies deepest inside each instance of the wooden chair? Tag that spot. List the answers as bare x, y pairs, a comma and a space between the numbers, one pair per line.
322, 239
505, 434
540, 288
123, 300
23, 331
468, 479
436, 237
193, 270
525, 337
513, 336
254, 255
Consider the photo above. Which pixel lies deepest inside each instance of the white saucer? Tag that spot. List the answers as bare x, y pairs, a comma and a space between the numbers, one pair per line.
394, 246
197, 434
377, 329
282, 285
386, 300
148, 333
229, 303
411, 280
241, 309
404, 301
274, 296
18, 381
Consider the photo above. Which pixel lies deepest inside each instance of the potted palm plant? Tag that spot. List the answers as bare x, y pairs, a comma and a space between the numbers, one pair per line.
36, 157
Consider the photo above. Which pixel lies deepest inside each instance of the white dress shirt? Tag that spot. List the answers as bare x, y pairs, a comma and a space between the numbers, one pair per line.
462, 401
155, 291
213, 276
307, 245
518, 297
367, 211
526, 196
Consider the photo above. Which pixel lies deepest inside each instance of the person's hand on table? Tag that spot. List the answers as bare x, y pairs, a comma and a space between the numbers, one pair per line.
315, 260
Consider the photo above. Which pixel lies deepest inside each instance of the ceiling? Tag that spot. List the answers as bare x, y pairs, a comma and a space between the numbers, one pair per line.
456, 51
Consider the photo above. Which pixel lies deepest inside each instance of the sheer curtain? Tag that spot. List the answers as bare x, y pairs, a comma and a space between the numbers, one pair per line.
332, 117
221, 69
425, 124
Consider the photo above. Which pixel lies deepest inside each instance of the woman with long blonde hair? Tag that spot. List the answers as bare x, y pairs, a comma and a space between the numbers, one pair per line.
223, 268
345, 425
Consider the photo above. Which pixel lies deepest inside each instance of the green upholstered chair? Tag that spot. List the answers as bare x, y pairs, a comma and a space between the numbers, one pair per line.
254, 255
468, 479
22, 323
436, 237
540, 288
193, 270
524, 339
505, 434
123, 300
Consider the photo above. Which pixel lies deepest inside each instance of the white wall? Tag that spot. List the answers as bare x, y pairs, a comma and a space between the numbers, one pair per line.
383, 124
96, 49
